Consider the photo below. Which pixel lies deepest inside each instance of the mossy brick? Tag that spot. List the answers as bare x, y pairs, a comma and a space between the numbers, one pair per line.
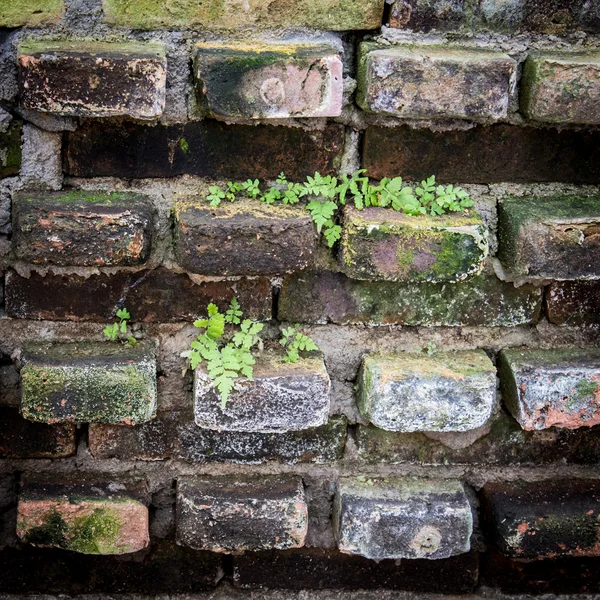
269, 80
92, 79
330, 15
546, 519
551, 388
281, 397
10, 149
554, 237
430, 82
156, 295
232, 513
81, 228
30, 13
573, 303
381, 244
402, 518
448, 391
244, 238
88, 382
326, 297
206, 148
562, 87
483, 154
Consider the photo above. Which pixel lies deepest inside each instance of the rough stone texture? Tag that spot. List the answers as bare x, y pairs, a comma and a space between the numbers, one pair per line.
562, 88
378, 243
152, 295
85, 515
544, 519
269, 80
449, 391
311, 297
244, 238
41, 165
282, 397
497, 153
88, 382
573, 303
80, 228
93, 79
207, 148
20, 438
552, 388
424, 82
333, 15
312, 568
30, 13
225, 514
554, 238
10, 149
395, 518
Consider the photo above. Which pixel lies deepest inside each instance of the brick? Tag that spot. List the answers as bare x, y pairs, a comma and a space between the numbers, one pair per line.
378, 243
544, 519
311, 297
395, 518
30, 13
93, 79
246, 238
425, 15
225, 514
20, 438
424, 82
10, 149
562, 88
80, 228
269, 80
332, 15
83, 514
282, 397
313, 568
88, 382
449, 391
156, 295
551, 388
493, 154
573, 303
207, 148
554, 238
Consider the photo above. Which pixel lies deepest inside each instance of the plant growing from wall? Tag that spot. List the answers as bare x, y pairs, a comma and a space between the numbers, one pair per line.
120, 331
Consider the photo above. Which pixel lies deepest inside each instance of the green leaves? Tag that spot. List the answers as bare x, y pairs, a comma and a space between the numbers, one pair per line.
321, 212
294, 342
120, 331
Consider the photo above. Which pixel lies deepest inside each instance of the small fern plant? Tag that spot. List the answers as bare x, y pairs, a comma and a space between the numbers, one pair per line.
120, 331
294, 342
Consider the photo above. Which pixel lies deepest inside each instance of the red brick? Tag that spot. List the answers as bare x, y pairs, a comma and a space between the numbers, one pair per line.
573, 303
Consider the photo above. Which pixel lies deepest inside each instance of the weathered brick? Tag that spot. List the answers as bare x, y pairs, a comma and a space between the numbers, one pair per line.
10, 149
80, 228
333, 15
30, 13
425, 15
246, 238
311, 297
497, 153
544, 519
282, 397
449, 391
153, 295
20, 438
395, 518
573, 303
562, 88
88, 382
93, 79
424, 82
378, 243
207, 148
83, 514
225, 514
269, 80
551, 388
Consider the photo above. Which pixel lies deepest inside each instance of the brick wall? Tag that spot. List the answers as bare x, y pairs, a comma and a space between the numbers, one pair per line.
446, 436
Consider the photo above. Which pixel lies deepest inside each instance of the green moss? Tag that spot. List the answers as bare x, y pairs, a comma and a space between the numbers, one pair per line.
10, 148
50, 533
32, 13
31, 47
183, 144
96, 533
586, 389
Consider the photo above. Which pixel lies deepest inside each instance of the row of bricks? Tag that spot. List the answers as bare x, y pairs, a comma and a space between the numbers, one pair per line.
279, 80
543, 238
375, 518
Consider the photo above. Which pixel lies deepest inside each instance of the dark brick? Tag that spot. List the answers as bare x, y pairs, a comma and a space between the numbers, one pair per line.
10, 150
325, 569
573, 303
483, 154
207, 148
152, 295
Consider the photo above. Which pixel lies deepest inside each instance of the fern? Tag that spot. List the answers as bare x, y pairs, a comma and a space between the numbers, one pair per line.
321, 212
294, 342
120, 331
